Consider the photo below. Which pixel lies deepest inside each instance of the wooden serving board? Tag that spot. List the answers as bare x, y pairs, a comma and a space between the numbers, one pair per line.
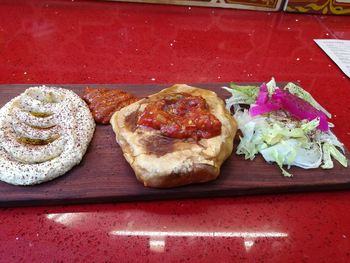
105, 176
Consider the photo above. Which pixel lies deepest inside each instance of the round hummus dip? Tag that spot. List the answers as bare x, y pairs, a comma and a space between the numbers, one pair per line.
44, 132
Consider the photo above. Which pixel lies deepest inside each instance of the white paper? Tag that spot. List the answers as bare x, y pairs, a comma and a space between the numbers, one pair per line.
338, 51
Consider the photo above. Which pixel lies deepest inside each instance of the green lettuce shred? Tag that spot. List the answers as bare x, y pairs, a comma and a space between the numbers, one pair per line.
310, 125
330, 150
271, 86
242, 94
279, 160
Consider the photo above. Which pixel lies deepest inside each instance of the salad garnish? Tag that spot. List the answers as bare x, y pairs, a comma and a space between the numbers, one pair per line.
285, 125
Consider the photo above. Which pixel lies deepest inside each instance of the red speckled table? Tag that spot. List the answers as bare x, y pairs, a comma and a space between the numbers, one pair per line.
106, 42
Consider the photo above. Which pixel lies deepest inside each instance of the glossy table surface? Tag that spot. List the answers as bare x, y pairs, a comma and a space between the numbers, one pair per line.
107, 42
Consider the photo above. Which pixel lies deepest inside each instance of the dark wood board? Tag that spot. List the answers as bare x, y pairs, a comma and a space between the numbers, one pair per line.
104, 175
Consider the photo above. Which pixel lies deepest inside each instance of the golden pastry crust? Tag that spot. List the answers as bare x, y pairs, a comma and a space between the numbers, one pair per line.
164, 162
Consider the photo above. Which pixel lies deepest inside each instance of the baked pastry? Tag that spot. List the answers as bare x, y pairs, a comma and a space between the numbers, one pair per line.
183, 151
44, 132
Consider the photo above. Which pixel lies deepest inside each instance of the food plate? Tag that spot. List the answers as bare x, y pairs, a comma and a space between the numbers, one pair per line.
105, 176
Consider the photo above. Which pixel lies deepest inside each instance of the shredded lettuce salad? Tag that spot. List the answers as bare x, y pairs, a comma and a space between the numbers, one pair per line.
285, 125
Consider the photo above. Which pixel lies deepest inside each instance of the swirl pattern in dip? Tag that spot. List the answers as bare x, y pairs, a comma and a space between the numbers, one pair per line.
44, 132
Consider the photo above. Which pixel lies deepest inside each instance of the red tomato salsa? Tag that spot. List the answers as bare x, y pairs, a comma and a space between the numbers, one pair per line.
181, 116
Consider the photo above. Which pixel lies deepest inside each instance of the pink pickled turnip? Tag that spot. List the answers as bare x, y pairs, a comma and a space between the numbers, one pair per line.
297, 107
263, 95
263, 104
300, 109
262, 109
